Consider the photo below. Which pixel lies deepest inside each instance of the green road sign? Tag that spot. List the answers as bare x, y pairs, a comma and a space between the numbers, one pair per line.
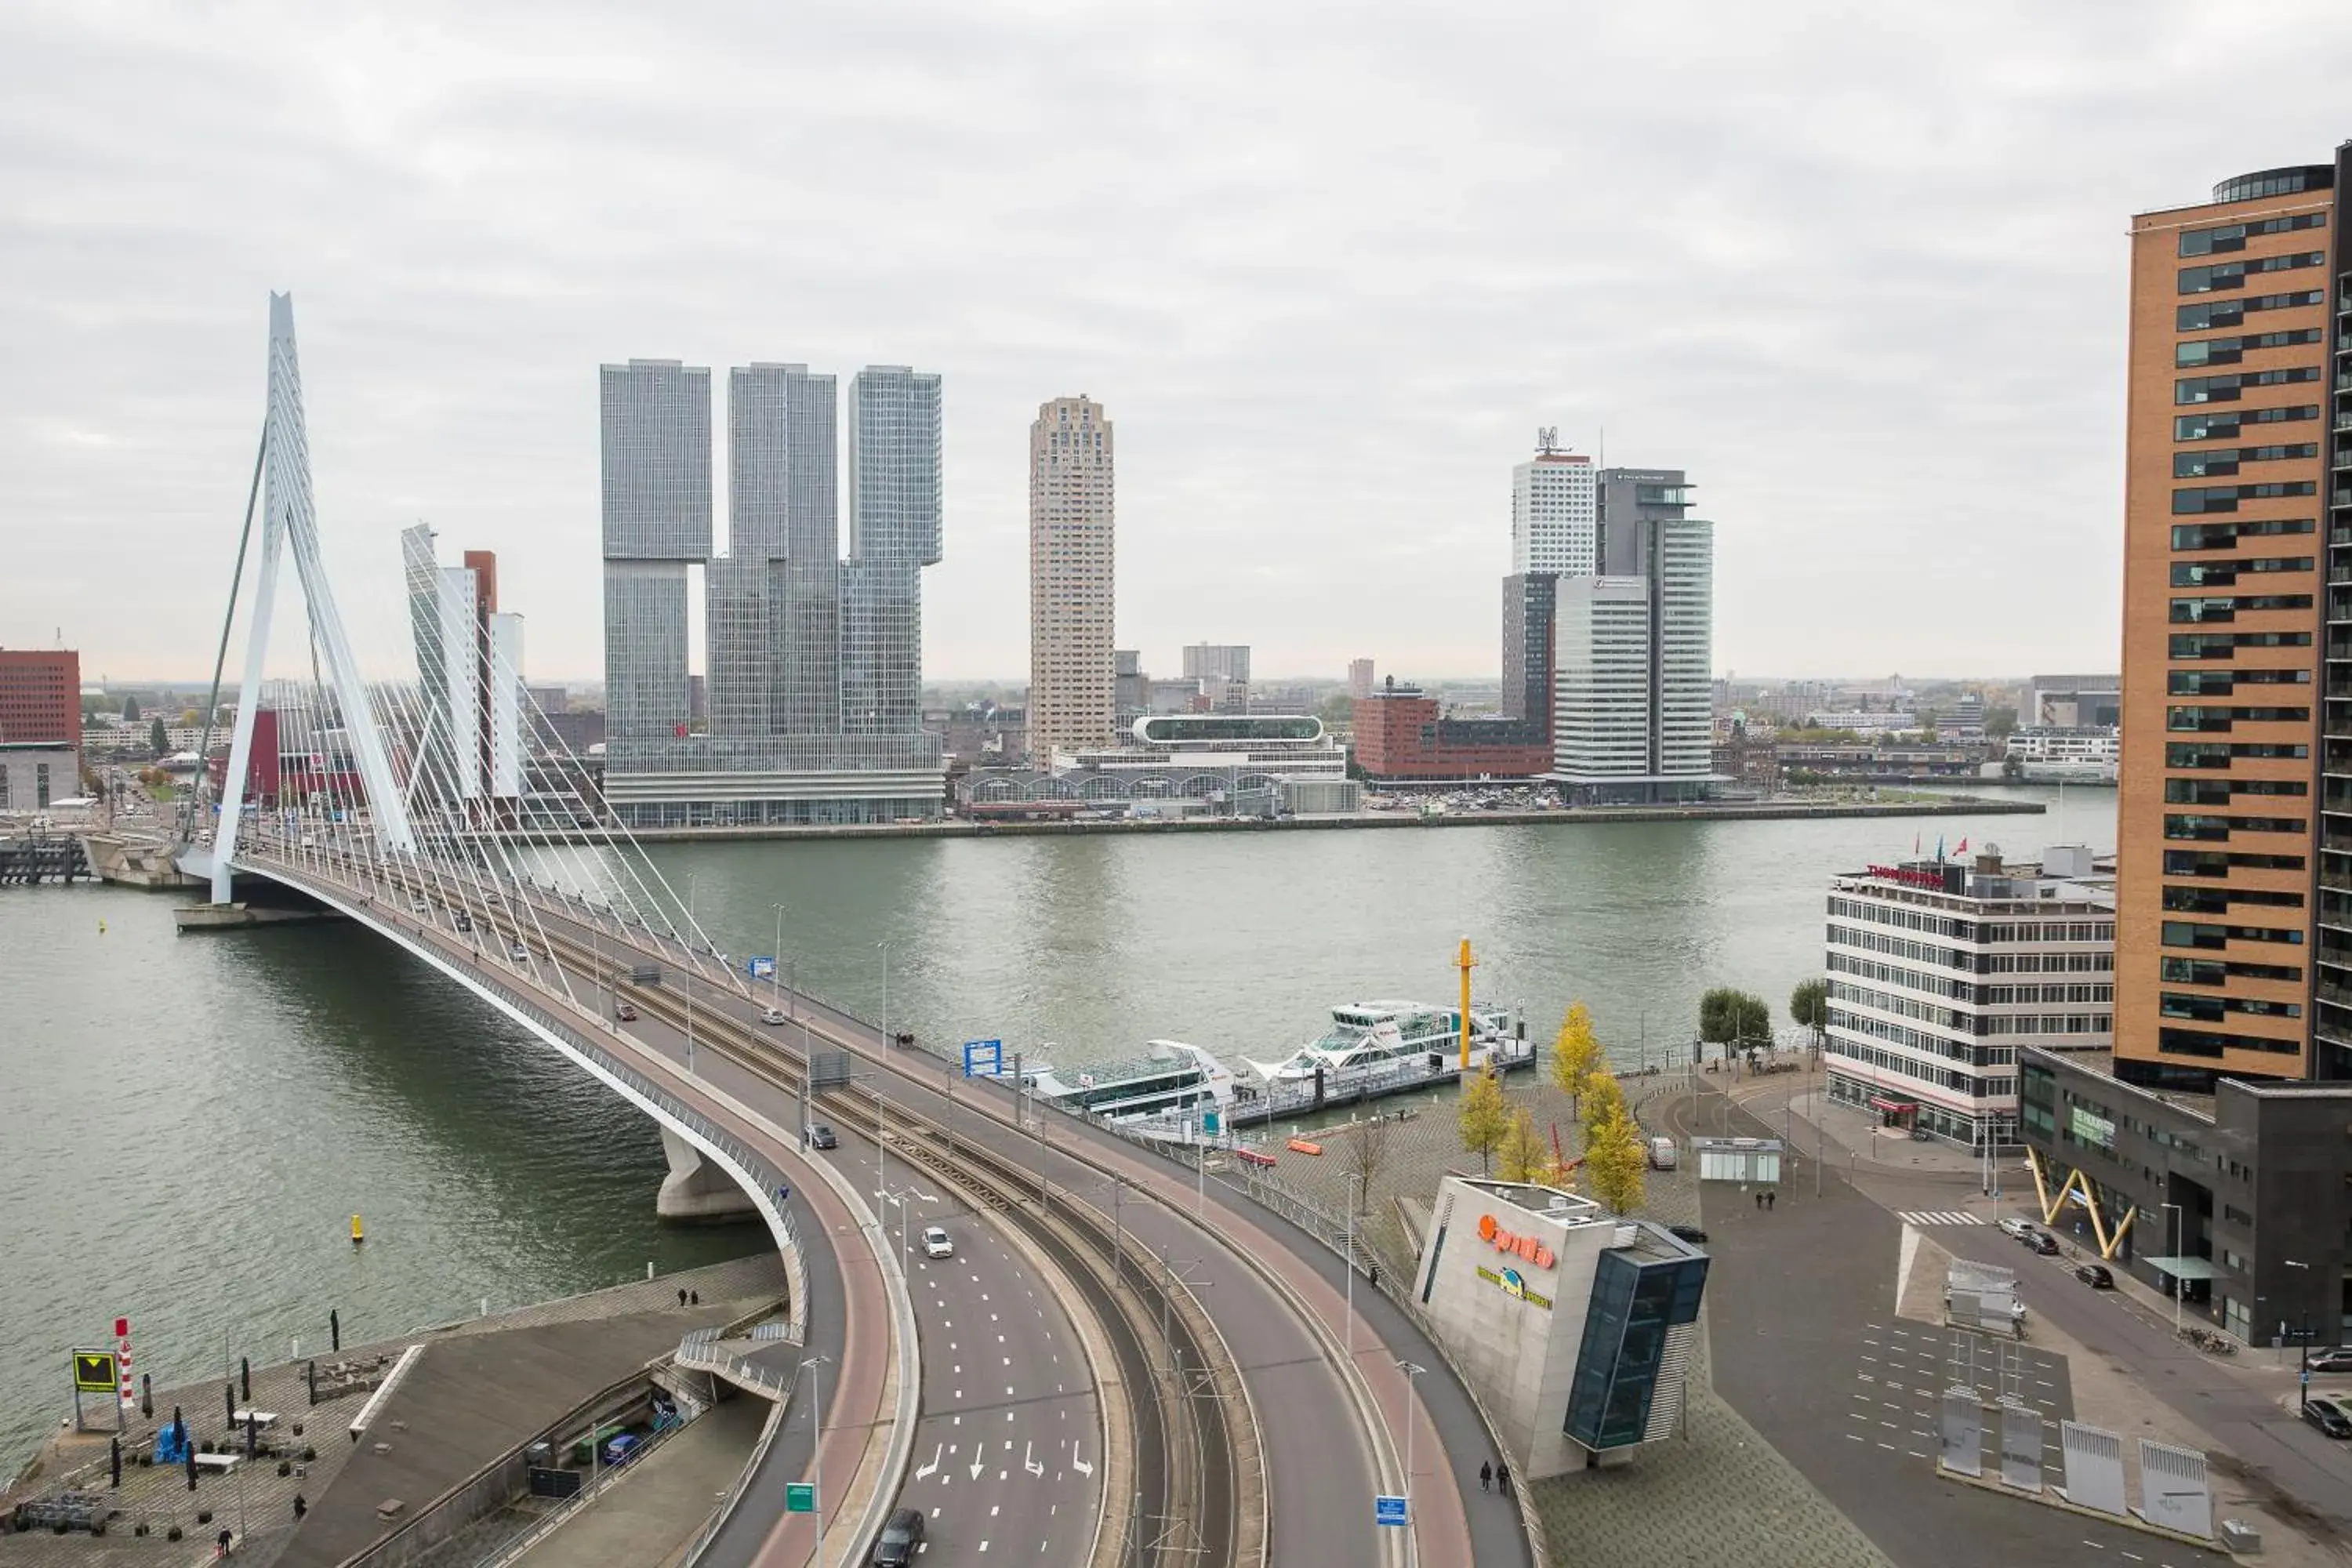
800, 1498
94, 1371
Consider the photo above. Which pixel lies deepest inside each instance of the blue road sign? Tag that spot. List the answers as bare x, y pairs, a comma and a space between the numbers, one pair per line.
758, 968
1209, 1121
988, 1052
1388, 1510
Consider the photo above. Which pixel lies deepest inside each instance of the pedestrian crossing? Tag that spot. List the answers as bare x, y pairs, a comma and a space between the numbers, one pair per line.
1937, 1217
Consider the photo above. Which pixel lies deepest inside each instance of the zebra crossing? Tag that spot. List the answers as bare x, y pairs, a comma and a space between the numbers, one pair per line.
1937, 1217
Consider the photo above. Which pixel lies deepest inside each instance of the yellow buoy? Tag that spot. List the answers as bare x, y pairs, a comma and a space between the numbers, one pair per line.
101, 928
357, 1236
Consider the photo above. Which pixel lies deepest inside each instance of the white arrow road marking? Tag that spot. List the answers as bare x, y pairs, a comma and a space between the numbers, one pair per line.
1029, 1461
977, 1465
1078, 1464
927, 1471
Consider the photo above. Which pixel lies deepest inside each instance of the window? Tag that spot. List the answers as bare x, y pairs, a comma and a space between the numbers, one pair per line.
2233, 235
2209, 754
2206, 460
2225, 645
2225, 498
2215, 863
40, 786
2218, 901
2220, 792
2222, 573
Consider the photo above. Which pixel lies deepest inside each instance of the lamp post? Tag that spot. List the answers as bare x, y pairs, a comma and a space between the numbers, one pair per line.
776, 960
885, 947
2303, 1345
2175, 1209
815, 1365
1413, 1525
1355, 1185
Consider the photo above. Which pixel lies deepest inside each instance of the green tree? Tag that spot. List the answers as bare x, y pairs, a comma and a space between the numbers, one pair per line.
131, 709
2000, 722
1484, 1118
1728, 1017
1574, 1054
1614, 1160
1523, 1155
1809, 1005
158, 738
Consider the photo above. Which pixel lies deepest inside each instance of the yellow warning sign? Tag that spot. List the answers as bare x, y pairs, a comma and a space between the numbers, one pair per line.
94, 1371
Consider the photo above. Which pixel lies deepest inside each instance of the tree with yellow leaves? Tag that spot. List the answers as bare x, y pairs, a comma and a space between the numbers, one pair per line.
1575, 1054
1602, 1094
1484, 1118
1614, 1159
1524, 1156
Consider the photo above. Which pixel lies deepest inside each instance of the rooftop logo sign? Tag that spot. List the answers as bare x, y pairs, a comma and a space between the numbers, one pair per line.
1530, 1248
1931, 881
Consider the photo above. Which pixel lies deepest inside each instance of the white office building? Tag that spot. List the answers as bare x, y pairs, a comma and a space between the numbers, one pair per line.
1601, 715
1682, 687
1555, 514
1939, 971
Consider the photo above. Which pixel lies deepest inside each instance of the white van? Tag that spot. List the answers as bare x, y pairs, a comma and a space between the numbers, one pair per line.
1661, 1154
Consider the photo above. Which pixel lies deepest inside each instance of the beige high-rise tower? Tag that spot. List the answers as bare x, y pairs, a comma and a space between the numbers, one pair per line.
1072, 674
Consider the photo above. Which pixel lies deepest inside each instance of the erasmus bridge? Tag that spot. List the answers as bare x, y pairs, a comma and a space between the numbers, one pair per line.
1120, 1366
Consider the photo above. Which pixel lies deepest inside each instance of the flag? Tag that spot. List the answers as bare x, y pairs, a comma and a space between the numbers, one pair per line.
1914, 843
1963, 847
1939, 846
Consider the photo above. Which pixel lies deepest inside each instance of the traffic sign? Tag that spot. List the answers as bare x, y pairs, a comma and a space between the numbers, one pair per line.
1389, 1511
800, 1497
984, 1057
93, 1372
760, 968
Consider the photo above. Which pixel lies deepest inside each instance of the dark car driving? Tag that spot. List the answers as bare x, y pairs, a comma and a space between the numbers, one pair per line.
2096, 1275
2042, 1242
2327, 1418
821, 1136
894, 1547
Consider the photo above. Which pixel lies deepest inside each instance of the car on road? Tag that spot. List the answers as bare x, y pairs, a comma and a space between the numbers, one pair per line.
416, 906
2015, 1228
936, 1243
2328, 1418
1689, 1233
902, 1534
821, 1136
2096, 1275
2044, 1243
2335, 1359
464, 920
772, 1014
625, 1012
518, 952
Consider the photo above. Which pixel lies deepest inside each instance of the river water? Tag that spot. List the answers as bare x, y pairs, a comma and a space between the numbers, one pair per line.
187, 1124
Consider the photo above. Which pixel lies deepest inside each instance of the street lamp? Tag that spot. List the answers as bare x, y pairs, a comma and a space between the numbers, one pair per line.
776, 959
1410, 1371
817, 1446
885, 947
2303, 1346
2176, 1266
1355, 1185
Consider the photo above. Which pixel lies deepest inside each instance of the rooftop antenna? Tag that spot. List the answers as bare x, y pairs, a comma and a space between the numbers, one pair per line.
1546, 440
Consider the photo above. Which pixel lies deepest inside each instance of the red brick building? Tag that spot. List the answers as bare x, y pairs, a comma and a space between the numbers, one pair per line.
1400, 739
40, 696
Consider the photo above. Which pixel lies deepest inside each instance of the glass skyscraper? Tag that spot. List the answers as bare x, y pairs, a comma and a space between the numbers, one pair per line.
656, 461
894, 531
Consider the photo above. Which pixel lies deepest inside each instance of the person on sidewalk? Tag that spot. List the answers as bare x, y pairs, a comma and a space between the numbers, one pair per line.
1486, 1476
1502, 1477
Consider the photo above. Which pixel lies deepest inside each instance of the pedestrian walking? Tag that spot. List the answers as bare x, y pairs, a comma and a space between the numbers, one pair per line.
681, 1298
694, 1298
1770, 1198
1502, 1477
1486, 1476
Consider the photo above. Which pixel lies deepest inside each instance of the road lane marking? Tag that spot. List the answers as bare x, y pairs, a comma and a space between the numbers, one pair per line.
926, 1472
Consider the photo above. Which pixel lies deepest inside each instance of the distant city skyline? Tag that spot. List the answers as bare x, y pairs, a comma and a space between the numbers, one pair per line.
1326, 328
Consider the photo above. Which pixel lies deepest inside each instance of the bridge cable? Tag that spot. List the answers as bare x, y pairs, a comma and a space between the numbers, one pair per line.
220, 659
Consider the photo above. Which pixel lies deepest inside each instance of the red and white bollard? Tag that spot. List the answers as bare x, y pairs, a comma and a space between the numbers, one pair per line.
123, 1361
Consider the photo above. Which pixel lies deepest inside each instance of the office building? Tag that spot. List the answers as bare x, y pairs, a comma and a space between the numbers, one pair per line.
2072, 701
1555, 511
1600, 716
1217, 661
36, 775
1072, 577
1531, 601
1400, 739
469, 673
1131, 698
2243, 1196
40, 698
811, 709
1359, 679
1575, 1328
2331, 1026
2225, 459
1646, 531
1940, 971
1175, 765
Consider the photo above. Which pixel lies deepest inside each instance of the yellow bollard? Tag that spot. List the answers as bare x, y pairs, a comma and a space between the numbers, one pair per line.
357, 1236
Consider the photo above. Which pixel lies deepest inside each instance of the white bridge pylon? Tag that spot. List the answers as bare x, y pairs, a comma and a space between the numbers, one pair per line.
290, 518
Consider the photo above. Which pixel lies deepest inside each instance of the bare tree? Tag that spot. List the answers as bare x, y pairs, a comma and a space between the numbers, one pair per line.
1368, 1152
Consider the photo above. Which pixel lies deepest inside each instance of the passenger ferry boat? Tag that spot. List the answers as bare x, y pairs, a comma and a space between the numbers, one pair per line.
1368, 1038
1170, 1077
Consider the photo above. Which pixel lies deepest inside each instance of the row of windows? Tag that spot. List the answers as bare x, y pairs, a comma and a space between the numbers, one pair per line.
2216, 275
2220, 792
2222, 423
2210, 313
2210, 1044
2222, 536
1886, 915
2195, 934
2213, 971
2192, 754
2217, 863
2233, 235
2227, 388
2204, 460
1882, 1060
2225, 645
2222, 682
2220, 900
2230, 350
2221, 611
2046, 963
2222, 573
1899, 947
2217, 829
2216, 1009
1948, 1049
2225, 498
2051, 931
2214, 720
2049, 1024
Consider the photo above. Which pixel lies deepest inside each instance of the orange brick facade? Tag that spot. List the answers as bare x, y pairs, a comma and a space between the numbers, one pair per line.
1399, 736
40, 696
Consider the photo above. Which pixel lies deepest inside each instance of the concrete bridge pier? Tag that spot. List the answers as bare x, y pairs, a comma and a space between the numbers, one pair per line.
697, 1192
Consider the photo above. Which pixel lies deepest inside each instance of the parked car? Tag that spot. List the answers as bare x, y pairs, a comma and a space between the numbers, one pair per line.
1689, 1233
622, 1449
2042, 1242
1661, 1154
821, 1136
2096, 1275
902, 1532
2327, 1418
2016, 1228
625, 1012
2335, 1359
772, 1014
936, 1243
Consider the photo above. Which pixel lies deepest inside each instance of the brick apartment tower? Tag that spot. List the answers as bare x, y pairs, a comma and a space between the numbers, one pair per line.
2221, 937
1073, 675
40, 697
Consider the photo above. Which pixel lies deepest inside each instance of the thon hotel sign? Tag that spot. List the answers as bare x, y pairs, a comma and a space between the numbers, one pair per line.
1931, 881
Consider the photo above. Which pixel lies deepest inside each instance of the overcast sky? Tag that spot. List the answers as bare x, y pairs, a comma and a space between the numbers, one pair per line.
1858, 268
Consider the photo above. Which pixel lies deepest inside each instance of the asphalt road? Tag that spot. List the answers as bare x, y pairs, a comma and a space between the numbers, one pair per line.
1795, 1297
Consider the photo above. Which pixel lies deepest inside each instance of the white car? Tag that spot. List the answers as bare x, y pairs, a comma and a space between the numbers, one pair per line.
2016, 1228
936, 1243
519, 952
771, 1016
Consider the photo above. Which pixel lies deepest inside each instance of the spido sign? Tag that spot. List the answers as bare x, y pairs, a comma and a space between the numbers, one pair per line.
1530, 1248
